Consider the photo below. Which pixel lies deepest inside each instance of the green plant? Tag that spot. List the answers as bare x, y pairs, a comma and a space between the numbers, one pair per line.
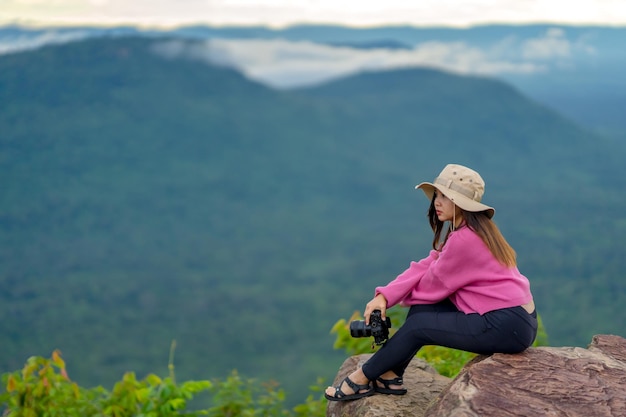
43, 389
448, 362
151, 397
237, 396
313, 407
542, 335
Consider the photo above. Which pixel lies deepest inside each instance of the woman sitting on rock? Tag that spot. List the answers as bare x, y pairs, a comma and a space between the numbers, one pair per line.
467, 294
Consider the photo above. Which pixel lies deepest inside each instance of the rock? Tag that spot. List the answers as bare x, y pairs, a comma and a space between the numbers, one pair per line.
542, 381
423, 381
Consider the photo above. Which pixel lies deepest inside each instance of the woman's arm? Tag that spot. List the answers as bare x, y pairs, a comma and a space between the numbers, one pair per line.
399, 288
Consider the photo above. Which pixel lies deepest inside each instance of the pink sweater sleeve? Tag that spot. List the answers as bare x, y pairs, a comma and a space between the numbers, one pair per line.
406, 282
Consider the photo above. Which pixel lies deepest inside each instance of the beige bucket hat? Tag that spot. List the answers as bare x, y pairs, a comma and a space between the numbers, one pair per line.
464, 186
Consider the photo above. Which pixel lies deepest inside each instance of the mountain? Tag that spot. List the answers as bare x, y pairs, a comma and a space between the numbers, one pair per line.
147, 199
575, 70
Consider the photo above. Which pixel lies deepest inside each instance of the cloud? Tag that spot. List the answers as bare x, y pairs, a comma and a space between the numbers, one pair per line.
286, 64
553, 44
33, 40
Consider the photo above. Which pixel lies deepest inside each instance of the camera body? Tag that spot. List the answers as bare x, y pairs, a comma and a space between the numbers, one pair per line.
378, 328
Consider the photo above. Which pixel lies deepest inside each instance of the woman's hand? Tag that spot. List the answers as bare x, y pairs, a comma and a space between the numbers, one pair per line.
377, 303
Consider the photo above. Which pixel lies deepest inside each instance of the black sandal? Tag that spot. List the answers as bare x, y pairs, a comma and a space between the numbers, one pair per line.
341, 396
386, 389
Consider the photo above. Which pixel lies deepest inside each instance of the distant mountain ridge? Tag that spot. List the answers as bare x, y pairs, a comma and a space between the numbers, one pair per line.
148, 199
576, 70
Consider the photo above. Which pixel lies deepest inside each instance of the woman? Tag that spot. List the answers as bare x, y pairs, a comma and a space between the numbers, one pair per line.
466, 294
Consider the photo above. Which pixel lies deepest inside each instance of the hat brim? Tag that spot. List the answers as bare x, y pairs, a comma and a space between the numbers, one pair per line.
457, 198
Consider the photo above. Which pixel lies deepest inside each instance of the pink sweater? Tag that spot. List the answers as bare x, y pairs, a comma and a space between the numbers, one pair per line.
464, 271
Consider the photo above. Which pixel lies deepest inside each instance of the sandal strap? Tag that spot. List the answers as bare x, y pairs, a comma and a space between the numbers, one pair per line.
356, 387
388, 382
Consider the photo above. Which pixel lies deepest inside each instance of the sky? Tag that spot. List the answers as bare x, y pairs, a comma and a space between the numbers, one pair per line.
281, 13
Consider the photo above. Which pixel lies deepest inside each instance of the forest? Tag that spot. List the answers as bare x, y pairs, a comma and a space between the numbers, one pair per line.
147, 200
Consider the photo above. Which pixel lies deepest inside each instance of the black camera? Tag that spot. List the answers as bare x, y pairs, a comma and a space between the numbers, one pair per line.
378, 328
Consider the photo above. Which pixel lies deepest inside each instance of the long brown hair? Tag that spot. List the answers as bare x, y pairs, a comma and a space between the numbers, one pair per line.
483, 226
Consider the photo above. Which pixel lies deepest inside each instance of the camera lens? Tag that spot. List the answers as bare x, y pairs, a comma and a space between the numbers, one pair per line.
359, 329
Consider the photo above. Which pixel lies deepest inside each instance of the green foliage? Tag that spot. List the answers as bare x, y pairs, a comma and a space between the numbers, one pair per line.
448, 362
236, 396
315, 403
151, 397
43, 389
542, 335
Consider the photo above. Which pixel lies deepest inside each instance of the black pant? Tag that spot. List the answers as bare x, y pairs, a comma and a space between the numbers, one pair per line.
509, 330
